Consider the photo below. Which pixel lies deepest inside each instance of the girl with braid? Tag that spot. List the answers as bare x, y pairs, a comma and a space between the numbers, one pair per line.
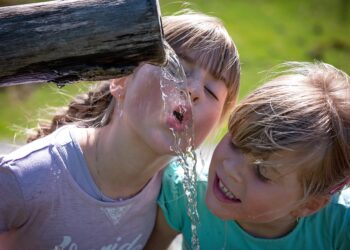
91, 181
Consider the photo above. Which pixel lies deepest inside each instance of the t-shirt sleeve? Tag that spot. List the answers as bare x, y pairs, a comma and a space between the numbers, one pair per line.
12, 209
172, 199
343, 236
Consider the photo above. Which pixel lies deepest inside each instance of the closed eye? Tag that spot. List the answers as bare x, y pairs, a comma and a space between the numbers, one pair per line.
259, 172
211, 93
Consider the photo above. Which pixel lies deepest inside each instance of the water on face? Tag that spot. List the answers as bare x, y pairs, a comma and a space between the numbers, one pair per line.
175, 91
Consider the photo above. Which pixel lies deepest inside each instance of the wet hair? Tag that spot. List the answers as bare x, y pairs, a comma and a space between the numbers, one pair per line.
203, 36
305, 109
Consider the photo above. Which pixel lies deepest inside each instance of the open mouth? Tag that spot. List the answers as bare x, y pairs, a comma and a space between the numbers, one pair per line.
180, 118
223, 193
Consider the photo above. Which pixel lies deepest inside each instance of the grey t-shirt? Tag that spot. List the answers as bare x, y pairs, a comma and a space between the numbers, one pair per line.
43, 207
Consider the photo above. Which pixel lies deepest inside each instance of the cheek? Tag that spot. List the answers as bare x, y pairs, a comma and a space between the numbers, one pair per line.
266, 203
148, 97
219, 155
213, 165
204, 122
147, 82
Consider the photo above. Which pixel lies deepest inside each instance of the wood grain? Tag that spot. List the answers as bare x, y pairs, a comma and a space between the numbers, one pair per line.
65, 41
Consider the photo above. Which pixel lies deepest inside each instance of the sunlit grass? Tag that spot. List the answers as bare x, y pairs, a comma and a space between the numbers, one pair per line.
22, 106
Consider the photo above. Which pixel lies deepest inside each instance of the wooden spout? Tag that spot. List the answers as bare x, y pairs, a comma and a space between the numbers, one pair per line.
67, 41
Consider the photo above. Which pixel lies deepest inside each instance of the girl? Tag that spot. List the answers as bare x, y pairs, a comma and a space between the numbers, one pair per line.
93, 185
274, 179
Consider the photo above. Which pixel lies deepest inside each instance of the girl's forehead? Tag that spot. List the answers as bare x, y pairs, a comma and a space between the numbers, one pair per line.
207, 62
190, 57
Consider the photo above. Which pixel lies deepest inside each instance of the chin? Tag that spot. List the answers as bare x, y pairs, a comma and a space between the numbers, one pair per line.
212, 205
216, 208
162, 149
159, 141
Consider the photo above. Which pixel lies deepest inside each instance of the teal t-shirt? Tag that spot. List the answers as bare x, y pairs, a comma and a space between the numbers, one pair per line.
328, 229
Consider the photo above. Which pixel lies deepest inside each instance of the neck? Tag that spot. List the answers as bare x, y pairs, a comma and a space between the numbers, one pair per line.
274, 229
120, 164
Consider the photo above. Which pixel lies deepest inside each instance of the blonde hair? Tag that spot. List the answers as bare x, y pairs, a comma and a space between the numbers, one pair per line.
305, 109
202, 35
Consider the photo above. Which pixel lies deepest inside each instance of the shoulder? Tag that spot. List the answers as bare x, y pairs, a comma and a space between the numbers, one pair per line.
28, 158
175, 174
37, 148
175, 178
20, 173
33, 164
172, 198
339, 211
339, 206
334, 219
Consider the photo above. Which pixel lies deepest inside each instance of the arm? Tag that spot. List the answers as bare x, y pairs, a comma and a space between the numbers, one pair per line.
12, 207
162, 234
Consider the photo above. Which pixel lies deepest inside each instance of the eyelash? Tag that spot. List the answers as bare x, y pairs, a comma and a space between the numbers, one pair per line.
259, 174
211, 93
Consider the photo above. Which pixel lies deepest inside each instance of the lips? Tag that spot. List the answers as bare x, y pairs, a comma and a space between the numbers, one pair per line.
222, 193
180, 118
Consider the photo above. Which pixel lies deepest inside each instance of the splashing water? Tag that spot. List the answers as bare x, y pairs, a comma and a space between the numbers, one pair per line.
175, 94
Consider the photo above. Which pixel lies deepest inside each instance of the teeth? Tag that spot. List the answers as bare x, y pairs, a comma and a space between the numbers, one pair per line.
227, 192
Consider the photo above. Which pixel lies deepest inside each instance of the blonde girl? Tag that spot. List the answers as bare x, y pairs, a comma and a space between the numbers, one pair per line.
92, 181
275, 178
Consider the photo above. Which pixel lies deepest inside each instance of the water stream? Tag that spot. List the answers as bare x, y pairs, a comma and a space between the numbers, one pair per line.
175, 94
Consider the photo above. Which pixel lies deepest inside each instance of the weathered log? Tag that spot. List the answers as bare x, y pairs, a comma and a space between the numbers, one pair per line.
67, 41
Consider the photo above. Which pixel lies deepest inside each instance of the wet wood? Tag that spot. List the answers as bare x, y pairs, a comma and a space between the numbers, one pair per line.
65, 41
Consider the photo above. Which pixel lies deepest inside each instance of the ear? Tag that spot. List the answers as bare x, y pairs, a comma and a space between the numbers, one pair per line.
311, 206
117, 87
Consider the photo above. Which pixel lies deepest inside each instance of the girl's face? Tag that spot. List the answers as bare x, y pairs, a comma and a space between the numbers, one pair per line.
143, 107
241, 188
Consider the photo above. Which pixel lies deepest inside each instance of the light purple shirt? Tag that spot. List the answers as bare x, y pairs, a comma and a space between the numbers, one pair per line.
45, 208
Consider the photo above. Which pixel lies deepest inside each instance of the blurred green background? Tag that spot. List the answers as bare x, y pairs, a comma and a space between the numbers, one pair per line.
266, 32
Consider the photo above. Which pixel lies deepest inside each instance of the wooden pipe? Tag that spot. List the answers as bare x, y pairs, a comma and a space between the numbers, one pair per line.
68, 41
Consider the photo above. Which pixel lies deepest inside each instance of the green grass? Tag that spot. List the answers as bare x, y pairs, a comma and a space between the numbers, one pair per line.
265, 32
270, 32
23, 105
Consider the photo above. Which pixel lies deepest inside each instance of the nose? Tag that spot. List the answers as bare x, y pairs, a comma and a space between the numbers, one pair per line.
233, 169
195, 83
194, 96
194, 90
